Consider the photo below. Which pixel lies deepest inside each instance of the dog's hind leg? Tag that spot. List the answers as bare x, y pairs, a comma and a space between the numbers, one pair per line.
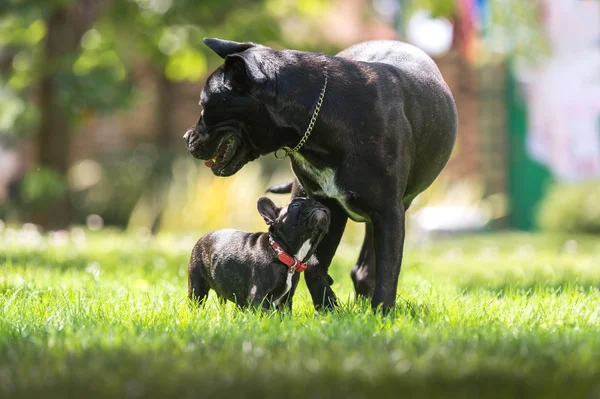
364, 271
283, 188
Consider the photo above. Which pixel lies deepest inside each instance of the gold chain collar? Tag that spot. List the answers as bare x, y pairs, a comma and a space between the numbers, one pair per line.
311, 125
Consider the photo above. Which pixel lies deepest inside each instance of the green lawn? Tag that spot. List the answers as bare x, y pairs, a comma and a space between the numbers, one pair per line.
496, 315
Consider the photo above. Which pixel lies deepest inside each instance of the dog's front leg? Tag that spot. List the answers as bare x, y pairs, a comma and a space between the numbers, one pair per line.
317, 278
388, 230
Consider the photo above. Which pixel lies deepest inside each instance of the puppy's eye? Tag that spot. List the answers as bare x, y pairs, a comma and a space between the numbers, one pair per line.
294, 206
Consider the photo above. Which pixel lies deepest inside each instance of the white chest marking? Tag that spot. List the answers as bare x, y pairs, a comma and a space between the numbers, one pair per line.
325, 178
304, 249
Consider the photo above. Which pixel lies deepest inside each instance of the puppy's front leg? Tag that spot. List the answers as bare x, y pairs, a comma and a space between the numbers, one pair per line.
222, 300
286, 302
259, 300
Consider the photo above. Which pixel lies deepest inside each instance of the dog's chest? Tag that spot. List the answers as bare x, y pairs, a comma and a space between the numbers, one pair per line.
325, 180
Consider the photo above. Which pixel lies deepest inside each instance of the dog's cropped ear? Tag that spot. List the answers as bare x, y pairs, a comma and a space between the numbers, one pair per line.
268, 210
226, 47
242, 72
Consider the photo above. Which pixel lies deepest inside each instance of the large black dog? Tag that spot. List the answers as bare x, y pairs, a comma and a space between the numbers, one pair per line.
366, 132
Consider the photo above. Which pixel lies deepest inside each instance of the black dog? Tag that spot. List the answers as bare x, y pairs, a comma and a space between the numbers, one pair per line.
366, 132
255, 269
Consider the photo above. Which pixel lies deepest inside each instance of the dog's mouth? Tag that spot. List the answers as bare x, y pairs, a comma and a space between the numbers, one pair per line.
224, 153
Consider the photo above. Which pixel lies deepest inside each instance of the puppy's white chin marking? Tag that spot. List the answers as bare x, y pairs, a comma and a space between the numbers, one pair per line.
304, 249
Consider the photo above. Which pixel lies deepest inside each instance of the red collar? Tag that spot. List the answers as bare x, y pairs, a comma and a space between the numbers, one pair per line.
294, 264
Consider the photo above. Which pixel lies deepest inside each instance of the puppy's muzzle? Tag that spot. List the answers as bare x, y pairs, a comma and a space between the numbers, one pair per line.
320, 219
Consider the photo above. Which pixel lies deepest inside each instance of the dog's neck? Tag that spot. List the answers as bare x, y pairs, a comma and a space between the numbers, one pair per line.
300, 92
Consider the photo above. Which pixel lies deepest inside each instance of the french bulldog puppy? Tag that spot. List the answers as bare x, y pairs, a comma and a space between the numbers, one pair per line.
363, 280
259, 269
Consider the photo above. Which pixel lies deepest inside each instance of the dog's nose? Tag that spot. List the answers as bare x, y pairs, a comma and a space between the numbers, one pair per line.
186, 136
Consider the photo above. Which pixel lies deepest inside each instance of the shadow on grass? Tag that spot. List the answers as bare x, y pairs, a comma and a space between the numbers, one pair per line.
404, 309
533, 288
45, 260
104, 373
73, 260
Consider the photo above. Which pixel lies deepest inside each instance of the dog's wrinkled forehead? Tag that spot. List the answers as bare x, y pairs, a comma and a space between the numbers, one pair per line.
297, 210
214, 86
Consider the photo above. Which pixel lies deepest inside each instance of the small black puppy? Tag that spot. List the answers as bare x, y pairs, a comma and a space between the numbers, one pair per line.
257, 269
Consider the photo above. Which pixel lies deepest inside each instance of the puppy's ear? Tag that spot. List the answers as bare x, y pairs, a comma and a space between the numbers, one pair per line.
242, 72
226, 47
268, 210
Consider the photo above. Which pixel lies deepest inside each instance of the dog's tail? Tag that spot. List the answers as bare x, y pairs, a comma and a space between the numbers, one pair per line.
283, 188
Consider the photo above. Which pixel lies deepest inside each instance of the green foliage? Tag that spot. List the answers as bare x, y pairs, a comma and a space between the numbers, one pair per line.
19, 36
42, 187
97, 80
16, 114
91, 79
24, 29
437, 8
103, 315
163, 34
516, 28
573, 208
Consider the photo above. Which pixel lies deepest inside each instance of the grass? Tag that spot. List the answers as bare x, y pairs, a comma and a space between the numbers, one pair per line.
506, 315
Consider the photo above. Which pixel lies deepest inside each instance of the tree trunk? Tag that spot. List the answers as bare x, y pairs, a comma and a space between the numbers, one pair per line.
165, 103
65, 27
162, 138
53, 136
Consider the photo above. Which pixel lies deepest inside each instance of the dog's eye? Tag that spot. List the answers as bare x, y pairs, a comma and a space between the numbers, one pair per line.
294, 206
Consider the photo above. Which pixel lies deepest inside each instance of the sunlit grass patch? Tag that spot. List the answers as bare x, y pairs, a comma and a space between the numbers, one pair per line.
495, 315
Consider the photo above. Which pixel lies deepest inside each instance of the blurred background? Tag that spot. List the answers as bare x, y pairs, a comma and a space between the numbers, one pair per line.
95, 96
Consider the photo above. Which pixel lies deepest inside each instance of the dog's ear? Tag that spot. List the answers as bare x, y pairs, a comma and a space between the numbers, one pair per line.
226, 47
242, 72
268, 210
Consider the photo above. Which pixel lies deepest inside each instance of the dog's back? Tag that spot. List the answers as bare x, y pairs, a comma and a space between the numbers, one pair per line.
223, 247
395, 53
425, 100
